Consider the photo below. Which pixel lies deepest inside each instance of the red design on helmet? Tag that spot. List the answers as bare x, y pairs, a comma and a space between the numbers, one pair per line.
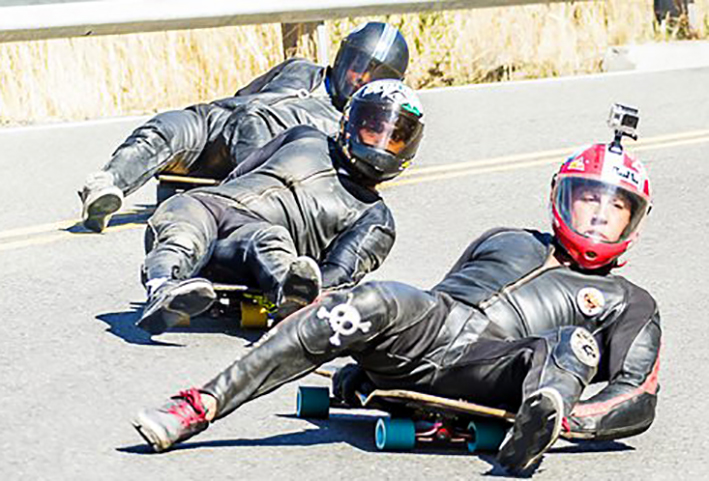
599, 200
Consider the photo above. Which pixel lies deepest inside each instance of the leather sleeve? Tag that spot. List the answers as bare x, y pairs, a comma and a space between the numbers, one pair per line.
360, 249
630, 363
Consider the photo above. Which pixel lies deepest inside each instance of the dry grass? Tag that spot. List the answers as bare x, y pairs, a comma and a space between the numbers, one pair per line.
71, 79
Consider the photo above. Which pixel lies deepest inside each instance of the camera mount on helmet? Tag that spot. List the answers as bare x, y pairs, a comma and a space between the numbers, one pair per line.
624, 122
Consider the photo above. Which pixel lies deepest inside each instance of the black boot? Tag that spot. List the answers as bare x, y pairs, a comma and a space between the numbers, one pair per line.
536, 428
100, 199
300, 287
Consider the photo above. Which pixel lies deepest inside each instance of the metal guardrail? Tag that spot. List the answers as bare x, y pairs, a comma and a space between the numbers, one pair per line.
60, 19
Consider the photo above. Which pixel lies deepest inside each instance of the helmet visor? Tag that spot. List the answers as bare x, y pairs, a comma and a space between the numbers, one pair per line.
385, 127
354, 68
598, 210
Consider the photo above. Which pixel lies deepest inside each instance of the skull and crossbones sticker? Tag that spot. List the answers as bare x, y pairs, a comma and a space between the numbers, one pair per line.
344, 320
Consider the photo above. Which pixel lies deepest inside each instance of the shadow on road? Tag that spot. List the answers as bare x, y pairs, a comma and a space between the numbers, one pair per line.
139, 215
206, 324
593, 447
358, 434
356, 430
122, 324
574, 447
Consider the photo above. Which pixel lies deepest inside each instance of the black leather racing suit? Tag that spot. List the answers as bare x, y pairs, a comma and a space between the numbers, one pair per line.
497, 327
209, 140
296, 200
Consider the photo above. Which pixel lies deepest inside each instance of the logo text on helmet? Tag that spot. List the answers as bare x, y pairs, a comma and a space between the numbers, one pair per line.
395, 92
627, 174
577, 164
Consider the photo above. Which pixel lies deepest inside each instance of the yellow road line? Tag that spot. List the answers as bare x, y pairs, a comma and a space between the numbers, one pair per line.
31, 242
56, 236
65, 224
557, 153
420, 175
476, 169
60, 225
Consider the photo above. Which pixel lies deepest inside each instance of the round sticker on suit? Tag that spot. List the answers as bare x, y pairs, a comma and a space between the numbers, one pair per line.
584, 346
591, 301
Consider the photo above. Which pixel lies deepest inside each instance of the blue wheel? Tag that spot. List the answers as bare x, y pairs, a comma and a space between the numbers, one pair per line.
164, 192
395, 434
486, 434
313, 402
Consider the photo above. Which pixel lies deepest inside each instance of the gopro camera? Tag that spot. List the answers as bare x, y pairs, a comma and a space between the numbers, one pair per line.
624, 121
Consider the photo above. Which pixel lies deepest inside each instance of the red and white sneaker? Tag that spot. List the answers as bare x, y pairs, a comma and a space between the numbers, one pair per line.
180, 418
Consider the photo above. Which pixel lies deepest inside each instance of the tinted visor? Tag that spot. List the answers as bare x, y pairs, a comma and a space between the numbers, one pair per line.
354, 68
385, 127
598, 210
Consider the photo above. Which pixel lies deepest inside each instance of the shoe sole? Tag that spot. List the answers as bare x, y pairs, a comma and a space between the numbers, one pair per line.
296, 295
100, 210
307, 273
537, 427
191, 298
148, 431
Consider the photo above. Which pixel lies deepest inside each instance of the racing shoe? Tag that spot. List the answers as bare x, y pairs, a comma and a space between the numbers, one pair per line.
176, 301
301, 286
180, 418
536, 428
100, 199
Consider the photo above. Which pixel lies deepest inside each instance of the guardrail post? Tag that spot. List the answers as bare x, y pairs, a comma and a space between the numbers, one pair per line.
310, 36
669, 12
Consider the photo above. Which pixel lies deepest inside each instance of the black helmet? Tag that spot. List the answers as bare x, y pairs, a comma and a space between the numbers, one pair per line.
381, 129
373, 48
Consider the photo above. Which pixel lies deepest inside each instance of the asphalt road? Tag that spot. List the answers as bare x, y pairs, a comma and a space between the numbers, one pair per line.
74, 369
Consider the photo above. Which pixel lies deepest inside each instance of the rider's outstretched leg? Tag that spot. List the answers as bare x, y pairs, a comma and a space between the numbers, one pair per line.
338, 324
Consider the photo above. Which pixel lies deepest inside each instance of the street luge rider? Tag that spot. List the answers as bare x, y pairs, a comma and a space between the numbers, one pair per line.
302, 214
209, 140
524, 320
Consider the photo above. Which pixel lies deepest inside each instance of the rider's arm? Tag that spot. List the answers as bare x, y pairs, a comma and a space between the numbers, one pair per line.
360, 249
630, 363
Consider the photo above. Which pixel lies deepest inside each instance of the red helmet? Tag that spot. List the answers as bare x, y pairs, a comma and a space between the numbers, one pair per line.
599, 199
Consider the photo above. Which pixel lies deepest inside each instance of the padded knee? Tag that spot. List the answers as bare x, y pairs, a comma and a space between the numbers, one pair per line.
179, 238
577, 352
341, 320
566, 360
